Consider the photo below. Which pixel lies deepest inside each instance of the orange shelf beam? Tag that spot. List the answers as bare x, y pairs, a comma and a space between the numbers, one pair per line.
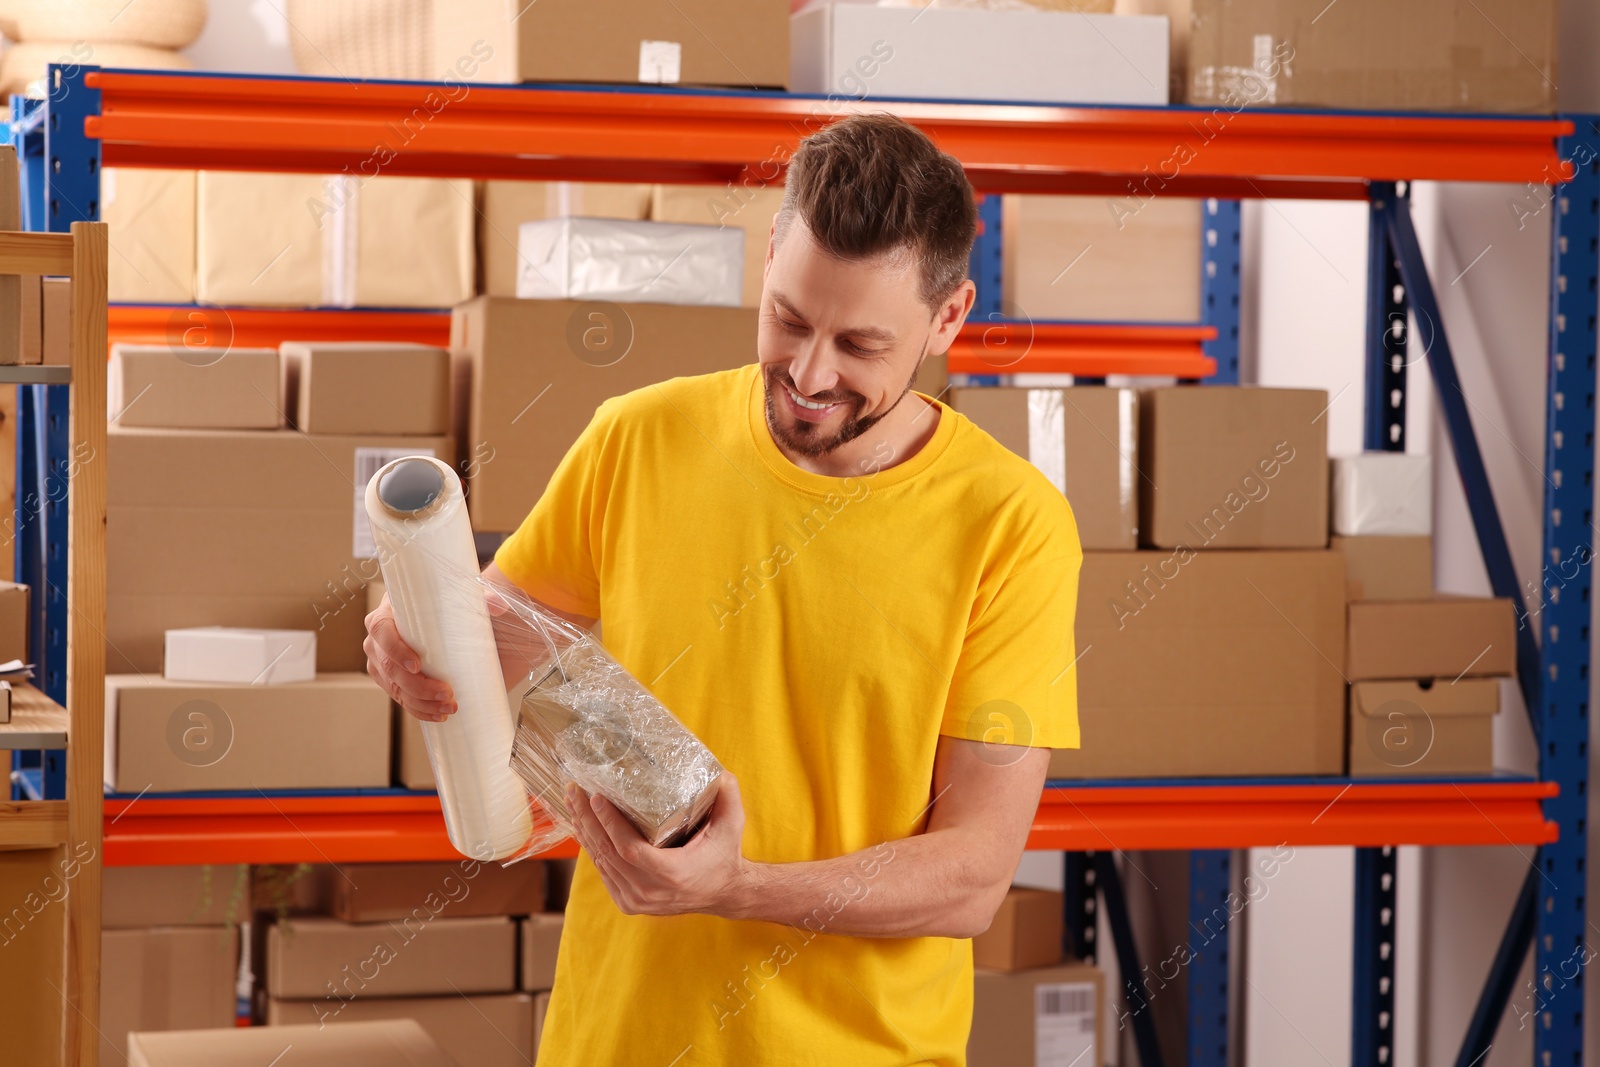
480, 131
191, 328
1091, 349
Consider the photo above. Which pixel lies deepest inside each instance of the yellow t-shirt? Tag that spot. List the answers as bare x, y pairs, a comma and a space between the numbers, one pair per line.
818, 634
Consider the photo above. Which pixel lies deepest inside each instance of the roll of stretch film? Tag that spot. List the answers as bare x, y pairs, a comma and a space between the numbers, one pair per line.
430, 570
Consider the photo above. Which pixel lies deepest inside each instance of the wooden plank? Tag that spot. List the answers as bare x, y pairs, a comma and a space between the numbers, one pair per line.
8, 480
35, 253
86, 648
36, 721
32, 884
33, 823
11, 317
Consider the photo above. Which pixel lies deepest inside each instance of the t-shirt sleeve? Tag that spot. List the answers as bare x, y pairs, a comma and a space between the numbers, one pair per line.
553, 556
1016, 679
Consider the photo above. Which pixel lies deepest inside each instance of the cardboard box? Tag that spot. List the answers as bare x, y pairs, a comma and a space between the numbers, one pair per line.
56, 305
1382, 493
751, 208
295, 889
300, 240
1089, 258
31, 345
154, 385
1034, 1018
167, 978
541, 940
858, 50
620, 260
1445, 637
361, 1044
742, 44
413, 768
1026, 932
240, 656
261, 531
5, 702
210, 895
1233, 467
165, 737
1084, 439
149, 215
1387, 568
374, 892
1425, 55
1405, 729
541, 1005
15, 621
345, 387
328, 961
1248, 646
475, 1031
557, 354
506, 205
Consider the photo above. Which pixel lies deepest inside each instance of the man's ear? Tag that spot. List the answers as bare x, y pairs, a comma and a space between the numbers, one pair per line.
951, 315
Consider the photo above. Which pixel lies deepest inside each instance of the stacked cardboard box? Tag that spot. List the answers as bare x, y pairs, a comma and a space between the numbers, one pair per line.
150, 217
358, 1044
1043, 1015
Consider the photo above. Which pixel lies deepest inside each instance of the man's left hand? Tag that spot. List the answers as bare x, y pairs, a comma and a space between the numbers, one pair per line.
708, 874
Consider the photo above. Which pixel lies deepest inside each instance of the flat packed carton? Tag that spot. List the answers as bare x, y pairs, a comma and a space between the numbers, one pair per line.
741, 44
1382, 493
176, 388
475, 1031
387, 1043
1084, 439
559, 360
750, 208
360, 387
1033, 1018
1208, 663
1387, 568
1026, 932
149, 216
541, 941
375, 892
1233, 467
1445, 637
207, 895
329, 961
1423, 55
265, 529
239, 655
505, 205
1090, 258
166, 978
1414, 729
165, 737
15, 620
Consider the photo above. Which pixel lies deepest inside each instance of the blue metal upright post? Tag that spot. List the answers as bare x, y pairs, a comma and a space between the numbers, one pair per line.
986, 268
1219, 285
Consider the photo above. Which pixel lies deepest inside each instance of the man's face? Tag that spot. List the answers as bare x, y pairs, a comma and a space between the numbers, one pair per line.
839, 341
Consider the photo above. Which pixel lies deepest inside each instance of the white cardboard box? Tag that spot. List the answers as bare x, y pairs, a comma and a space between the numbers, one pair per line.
629, 261
1382, 493
869, 52
240, 656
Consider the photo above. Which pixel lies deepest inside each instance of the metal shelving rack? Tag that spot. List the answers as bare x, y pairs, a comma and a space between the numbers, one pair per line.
129, 119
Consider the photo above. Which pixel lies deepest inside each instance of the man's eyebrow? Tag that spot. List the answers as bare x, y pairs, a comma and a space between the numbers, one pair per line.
866, 333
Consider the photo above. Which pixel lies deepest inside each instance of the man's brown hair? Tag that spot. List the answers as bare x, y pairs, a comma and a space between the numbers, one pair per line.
874, 184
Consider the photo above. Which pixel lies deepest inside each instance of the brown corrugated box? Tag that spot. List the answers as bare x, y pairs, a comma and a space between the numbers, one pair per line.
1132, 258
56, 303
1208, 663
1387, 568
1423, 55
169, 388
357, 387
541, 1005
387, 1043
1032, 1018
259, 531
1233, 467
412, 768
31, 344
165, 737
208, 895
541, 940
506, 205
1026, 932
374, 892
329, 961
476, 1031
1084, 439
742, 44
292, 889
168, 978
149, 215
518, 353
15, 619
1440, 637
752, 208
1405, 729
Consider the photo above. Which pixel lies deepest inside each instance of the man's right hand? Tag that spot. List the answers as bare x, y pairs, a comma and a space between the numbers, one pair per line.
396, 667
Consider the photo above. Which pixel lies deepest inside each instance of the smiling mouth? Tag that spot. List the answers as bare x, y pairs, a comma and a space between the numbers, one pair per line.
809, 405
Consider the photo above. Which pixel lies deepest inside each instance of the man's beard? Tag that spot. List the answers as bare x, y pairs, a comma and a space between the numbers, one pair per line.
807, 438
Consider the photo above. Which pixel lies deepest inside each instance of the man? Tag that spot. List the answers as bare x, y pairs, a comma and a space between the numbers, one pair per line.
861, 603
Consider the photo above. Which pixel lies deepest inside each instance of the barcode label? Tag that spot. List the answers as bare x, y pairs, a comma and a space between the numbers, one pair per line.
1064, 1024
368, 462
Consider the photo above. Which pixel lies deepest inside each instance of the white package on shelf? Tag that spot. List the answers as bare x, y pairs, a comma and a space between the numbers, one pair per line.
1382, 494
625, 260
430, 570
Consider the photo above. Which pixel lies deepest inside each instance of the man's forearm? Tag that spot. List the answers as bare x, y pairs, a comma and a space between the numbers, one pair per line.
922, 886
